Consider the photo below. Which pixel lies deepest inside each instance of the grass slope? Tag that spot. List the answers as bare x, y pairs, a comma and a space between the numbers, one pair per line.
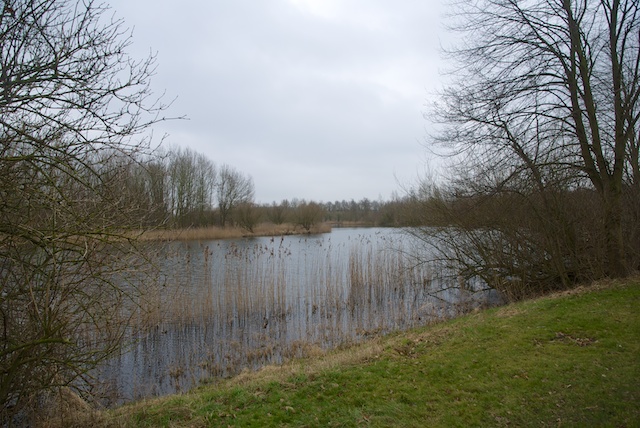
564, 360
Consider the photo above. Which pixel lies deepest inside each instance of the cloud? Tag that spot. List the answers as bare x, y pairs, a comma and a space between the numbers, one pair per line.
315, 99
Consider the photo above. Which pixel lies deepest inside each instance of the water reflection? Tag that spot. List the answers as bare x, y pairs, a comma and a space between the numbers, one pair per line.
234, 304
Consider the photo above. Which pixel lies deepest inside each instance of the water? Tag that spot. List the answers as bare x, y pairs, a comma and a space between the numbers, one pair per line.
230, 305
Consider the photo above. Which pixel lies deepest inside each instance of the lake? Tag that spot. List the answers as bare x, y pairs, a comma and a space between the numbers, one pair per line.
229, 305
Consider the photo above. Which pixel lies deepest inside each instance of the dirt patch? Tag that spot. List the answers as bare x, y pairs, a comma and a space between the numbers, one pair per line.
579, 341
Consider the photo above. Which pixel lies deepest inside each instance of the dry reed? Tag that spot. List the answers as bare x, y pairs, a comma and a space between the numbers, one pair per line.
215, 232
233, 305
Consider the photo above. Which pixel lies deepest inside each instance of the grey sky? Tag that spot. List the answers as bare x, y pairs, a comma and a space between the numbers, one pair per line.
315, 99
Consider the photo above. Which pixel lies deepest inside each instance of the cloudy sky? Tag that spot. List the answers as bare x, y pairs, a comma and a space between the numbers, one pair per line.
315, 99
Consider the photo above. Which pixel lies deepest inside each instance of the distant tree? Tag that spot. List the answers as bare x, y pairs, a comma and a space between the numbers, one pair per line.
205, 184
247, 216
157, 190
70, 100
308, 214
233, 188
192, 181
278, 213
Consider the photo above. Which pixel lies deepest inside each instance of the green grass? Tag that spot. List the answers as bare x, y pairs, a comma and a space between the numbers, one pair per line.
564, 360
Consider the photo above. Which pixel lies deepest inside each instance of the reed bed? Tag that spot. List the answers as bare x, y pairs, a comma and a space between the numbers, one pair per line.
234, 305
215, 232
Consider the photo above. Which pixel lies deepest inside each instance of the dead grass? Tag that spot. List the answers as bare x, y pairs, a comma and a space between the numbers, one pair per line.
63, 409
603, 284
215, 232
317, 362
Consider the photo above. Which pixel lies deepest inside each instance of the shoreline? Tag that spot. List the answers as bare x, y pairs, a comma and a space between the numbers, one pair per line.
235, 232
491, 357
232, 232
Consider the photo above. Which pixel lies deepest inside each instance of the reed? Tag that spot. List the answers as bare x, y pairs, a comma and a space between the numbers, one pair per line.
228, 306
231, 232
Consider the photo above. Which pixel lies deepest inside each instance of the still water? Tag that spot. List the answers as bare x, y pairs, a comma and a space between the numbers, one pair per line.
232, 305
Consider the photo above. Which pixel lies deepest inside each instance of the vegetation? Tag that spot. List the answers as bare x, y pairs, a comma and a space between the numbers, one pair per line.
238, 304
230, 232
569, 359
72, 103
543, 117
183, 189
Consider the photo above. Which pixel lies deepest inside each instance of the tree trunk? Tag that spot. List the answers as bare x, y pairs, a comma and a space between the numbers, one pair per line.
616, 263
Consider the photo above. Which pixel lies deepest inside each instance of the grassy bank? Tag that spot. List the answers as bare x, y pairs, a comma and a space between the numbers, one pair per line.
566, 360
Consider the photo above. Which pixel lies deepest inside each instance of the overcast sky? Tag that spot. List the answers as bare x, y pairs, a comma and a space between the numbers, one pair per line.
314, 99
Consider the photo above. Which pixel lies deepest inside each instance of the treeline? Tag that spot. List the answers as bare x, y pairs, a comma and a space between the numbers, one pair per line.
181, 188
525, 241
305, 213
178, 188
540, 121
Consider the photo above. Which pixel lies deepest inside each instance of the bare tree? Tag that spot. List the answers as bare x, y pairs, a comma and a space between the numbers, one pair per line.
182, 178
192, 180
157, 190
278, 213
544, 107
307, 214
247, 216
233, 188
70, 99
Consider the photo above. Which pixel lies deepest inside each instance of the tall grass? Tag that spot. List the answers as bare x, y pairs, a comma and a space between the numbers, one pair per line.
216, 232
228, 306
